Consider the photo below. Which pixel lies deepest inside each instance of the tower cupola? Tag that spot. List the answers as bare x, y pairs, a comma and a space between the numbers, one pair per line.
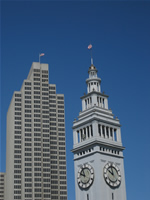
93, 82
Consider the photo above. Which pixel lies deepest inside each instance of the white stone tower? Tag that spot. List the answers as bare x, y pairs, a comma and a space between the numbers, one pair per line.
98, 150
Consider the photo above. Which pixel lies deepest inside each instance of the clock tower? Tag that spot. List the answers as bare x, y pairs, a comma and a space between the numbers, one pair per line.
97, 147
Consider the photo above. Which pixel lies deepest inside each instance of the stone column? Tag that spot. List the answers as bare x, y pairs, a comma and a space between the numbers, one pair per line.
113, 137
118, 135
80, 136
83, 104
91, 127
95, 128
90, 131
85, 135
105, 131
75, 137
103, 103
86, 130
109, 132
106, 103
100, 102
101, 130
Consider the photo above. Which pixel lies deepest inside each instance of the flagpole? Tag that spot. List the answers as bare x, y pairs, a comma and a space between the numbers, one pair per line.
91, 57
40, 54
90, 48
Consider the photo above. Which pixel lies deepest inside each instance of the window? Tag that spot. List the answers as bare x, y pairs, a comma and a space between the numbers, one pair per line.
36, 79
60, 102
27, 125
44, 93
17, 186
36, 74
45, 102
61, 116
37, 164
28, 195
36, 97
62, 138
27, 92
27, 97
36, 70
36, 92
27, 149
52, 101
17, 113
44, 85
36, 101
36, 83
60, 98
62, 125
28, 159
45, 71
37, 159
27, 101
27, 130
52, 106
37, 184
37, 115
52, 92
60, 111
18, 122
28, 185
17, 104
28, 174
27, 88
27, 83
28, 134
17, 95
61, 107
44, 89
37, 125
37, 120
17, 99
52, 97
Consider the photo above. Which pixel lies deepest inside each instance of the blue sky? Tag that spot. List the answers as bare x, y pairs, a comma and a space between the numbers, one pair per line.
120, 35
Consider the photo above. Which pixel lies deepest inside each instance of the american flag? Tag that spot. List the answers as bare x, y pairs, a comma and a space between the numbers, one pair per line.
90, 46
42, 54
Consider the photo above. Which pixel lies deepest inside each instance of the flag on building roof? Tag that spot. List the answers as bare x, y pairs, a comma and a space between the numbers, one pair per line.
42, 54
90, 46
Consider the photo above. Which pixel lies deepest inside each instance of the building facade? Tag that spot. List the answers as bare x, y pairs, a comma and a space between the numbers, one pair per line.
35, 152
98, 149
2, 183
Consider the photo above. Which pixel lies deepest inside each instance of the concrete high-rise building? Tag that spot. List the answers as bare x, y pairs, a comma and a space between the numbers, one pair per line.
35, 152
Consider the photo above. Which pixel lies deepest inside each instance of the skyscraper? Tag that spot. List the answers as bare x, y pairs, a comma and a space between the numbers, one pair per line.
35, 152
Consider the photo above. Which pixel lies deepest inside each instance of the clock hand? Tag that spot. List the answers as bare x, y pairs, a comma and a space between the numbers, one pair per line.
82, 173
111, 172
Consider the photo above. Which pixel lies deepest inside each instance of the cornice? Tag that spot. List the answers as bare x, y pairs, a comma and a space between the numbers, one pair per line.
94, 92
92, 118
96, 142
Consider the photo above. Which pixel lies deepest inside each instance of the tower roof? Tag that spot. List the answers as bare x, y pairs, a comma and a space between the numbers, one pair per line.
92, 68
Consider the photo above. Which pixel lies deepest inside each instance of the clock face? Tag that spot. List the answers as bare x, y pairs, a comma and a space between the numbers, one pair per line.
85, 176
112, 175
